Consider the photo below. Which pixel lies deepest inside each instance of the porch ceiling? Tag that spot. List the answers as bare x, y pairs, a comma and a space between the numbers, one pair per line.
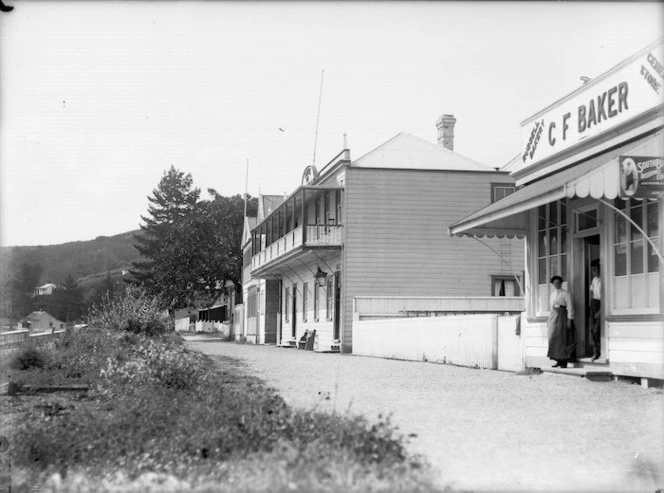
275, 269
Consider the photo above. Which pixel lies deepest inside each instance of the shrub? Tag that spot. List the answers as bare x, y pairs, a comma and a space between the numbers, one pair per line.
27, 357
131, 311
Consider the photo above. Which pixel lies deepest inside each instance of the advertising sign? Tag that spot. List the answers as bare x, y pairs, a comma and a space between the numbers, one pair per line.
631, 88
641, 177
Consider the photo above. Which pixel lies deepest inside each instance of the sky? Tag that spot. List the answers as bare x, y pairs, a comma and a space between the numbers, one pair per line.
99, 99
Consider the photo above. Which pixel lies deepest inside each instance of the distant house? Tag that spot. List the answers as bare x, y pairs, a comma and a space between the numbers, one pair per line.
40, 321
45, 290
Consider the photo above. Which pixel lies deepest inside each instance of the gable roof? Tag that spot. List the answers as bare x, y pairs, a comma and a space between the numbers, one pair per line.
38, 315
406, 151
249, 224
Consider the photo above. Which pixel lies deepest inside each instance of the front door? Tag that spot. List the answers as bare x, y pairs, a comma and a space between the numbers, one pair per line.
591, 247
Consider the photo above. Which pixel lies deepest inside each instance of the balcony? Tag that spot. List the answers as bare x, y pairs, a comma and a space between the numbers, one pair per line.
281, 237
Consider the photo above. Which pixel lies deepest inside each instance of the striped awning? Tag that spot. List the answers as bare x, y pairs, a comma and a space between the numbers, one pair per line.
597, 177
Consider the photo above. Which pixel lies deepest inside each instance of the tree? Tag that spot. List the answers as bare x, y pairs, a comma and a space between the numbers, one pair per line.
222, 238
166, 242
68, 301
106, 290
192, 247
21, 288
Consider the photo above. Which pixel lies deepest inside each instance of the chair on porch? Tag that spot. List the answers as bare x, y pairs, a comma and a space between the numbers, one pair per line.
309, 346
302, 343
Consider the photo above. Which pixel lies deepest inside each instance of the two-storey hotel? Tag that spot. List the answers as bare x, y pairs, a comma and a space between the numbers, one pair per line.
374, 226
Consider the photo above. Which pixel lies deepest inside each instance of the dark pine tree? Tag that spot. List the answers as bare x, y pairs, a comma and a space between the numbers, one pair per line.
167, 243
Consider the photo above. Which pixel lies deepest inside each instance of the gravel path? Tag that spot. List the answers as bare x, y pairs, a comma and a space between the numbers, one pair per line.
483, 430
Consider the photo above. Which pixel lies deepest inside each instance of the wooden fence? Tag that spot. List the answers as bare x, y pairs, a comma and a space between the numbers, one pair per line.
14, 338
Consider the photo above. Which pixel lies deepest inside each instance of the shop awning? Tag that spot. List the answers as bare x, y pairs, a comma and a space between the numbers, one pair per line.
597, 177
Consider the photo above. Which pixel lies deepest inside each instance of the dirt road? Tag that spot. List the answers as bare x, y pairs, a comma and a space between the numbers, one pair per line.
483, 430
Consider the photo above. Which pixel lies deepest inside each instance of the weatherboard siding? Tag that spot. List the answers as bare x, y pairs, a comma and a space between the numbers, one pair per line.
396, 240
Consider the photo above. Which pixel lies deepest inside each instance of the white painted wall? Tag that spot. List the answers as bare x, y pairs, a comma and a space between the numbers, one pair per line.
480, 341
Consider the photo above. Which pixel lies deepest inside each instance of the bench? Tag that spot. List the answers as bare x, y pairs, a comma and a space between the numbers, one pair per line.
306, 342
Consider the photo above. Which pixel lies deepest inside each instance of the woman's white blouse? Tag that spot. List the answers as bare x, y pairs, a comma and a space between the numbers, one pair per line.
563, 298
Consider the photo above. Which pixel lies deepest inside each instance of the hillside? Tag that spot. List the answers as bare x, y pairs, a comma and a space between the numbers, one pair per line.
85, 260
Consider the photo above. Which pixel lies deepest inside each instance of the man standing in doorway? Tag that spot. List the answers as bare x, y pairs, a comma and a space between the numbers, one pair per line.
595, 308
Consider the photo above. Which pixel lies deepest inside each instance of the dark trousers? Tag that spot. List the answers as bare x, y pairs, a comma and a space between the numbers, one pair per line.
595, 325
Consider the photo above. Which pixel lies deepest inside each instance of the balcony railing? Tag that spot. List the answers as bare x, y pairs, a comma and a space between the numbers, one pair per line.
316, 236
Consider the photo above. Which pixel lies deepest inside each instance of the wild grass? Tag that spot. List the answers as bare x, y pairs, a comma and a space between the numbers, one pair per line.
162, 418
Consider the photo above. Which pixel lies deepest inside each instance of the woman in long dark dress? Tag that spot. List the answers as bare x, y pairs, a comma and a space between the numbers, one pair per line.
562, 337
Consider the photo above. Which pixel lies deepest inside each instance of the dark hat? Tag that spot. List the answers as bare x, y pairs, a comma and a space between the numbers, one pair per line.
556, 277
594, 263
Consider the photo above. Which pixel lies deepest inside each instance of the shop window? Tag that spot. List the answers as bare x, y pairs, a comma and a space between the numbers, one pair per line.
330, 298
316, 293
500, 190
635, 262
305, 291
551, 251
505, 286
287, 304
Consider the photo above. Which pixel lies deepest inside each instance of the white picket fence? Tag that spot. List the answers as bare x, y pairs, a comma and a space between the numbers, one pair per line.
479, 340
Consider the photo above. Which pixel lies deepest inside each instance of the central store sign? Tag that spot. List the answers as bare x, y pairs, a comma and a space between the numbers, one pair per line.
627, 92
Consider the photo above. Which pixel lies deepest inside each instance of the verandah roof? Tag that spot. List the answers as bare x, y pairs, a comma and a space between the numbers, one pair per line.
597, 177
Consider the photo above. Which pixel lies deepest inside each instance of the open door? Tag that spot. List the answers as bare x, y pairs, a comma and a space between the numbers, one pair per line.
591, 247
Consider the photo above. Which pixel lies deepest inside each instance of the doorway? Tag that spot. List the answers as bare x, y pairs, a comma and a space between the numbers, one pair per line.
294, 314
337, 305
591, 253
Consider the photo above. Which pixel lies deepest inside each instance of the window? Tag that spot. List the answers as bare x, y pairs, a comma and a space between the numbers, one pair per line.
586, 220
326, 208
551, 250
635, 263
317, 211
261, 301
505, 286
501, 190
287, 304
316, 293
330, 298
251, 303
305, 290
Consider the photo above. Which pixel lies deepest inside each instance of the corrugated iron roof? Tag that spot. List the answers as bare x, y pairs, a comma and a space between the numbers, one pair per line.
406, 151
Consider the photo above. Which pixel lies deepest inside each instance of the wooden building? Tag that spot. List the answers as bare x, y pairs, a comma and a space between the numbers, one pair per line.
374, 226
590, 180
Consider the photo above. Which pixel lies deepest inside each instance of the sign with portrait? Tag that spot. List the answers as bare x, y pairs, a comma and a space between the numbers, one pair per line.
641, 177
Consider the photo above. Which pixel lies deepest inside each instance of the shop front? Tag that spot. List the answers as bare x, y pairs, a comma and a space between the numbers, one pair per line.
589, 182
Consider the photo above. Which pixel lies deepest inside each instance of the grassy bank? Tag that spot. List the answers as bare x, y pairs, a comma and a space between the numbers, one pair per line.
158, 417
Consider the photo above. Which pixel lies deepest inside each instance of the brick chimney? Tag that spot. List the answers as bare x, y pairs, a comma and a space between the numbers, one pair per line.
445, 126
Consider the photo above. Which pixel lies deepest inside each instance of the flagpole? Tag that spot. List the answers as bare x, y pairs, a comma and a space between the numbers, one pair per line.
320, 97
246, 189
